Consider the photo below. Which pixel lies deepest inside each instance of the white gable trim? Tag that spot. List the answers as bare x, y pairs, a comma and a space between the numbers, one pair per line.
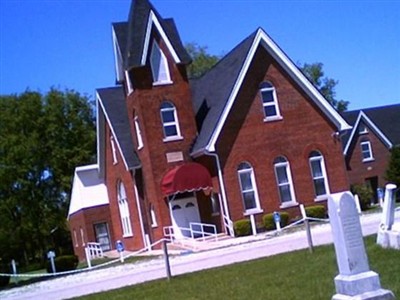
292, 70
153, 20
372, 126
117, 58
112, 131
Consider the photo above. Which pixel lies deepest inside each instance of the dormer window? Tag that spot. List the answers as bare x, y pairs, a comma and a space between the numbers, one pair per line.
159, 66
170, 122
269, 102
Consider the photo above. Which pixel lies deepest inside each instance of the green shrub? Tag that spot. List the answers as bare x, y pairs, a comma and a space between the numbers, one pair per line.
4, 280
269, 222
63, 263
242, 227
316, 211
364, 193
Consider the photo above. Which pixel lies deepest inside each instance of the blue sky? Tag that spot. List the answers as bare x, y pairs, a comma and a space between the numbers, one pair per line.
67, 43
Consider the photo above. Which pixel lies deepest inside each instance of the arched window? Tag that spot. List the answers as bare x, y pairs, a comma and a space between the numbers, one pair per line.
318, 173
248, 187
159, 66
284, 179
170, 121
124, 210
269, 101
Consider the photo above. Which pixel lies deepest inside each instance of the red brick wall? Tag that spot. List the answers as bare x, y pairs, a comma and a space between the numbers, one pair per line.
86, 219
358, 170
114, 174
246, 137
145, 101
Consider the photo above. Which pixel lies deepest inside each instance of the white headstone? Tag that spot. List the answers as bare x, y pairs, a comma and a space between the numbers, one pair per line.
389, 233
388, 207
355, 279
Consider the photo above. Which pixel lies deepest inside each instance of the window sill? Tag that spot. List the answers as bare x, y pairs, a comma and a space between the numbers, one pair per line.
289, 204
127, 235
157, 83
321, 198
173, 139
215, 214
253, 211
272, 119
140, 148
154, 225
368, 160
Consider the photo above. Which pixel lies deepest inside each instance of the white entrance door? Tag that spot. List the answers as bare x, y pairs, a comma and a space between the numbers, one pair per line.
183, 212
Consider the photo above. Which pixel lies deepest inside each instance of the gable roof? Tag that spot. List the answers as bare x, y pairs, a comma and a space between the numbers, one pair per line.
384, 121
220, 86
88, 189
112, 103
133, 36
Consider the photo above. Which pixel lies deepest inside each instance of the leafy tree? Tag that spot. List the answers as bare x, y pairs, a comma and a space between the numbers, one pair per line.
42, 139
393, 171
325, 85
202, 60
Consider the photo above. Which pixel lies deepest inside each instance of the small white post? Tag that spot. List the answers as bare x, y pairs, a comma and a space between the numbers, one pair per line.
253, 224
87, 253
120, 248
148, 243
303, 211
277, 220
357, 201
51, 255
14, 270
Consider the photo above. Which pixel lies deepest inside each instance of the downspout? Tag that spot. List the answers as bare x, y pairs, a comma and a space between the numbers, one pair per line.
221, 182
139, 211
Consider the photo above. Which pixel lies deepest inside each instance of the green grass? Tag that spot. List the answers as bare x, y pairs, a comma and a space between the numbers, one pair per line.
296, 275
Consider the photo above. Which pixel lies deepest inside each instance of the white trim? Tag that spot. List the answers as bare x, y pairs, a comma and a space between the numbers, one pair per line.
139, 138
274, 103
293, 71
153, 19
225, 208
253, 189
112, 130
113, 150
124, 213
139, 213
162, 66
128, 83
118, 57
175, 122
82, 236
370, 153
324, 175
153, 218
288, 172
372, 126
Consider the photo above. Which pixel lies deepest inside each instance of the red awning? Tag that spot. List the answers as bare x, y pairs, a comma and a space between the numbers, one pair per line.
186, 178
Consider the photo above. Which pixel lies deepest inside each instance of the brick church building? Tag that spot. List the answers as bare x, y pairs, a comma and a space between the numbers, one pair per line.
175, 156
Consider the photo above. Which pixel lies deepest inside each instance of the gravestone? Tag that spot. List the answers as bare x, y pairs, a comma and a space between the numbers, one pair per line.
355, 279
389, 232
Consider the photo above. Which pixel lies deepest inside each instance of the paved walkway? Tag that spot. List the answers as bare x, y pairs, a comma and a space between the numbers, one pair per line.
236, 250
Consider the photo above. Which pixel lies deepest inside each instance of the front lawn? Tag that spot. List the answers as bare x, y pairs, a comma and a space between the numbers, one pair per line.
296, 275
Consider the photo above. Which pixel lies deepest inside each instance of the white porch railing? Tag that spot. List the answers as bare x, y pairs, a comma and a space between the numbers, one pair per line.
196, 232
94, 250
228, 225
197, 229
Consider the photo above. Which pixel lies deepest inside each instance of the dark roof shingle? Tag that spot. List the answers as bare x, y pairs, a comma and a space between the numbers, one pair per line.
113, 101
215, 87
